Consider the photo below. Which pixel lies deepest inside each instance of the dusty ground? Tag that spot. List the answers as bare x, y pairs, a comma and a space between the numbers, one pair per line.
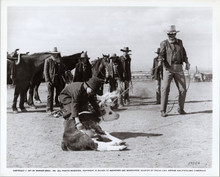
33, 138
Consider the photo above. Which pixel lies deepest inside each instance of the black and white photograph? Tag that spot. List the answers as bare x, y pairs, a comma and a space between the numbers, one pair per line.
109, 88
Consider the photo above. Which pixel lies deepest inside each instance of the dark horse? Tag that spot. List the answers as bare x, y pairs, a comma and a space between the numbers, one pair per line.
100, 68
69, 63
83, 70
26, 67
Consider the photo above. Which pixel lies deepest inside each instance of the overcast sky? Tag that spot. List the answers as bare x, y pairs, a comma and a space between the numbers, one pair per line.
106, 30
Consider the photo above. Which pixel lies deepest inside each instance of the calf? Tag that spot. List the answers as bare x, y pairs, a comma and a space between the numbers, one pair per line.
109, 99
92, 137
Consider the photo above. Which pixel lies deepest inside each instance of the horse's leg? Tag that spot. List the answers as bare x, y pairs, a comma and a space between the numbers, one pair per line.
36, 93
37, 84
16, 94
22, 95
31, 93
25, 95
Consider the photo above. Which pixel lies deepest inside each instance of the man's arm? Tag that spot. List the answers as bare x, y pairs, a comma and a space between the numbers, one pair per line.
162, 55
122, 63
75, 109
94, 103
153, 68
185, 58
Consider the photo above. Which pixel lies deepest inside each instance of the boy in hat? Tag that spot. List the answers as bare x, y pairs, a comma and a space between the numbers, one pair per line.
76, 96
53, 71
157, 73
126, 62
173, 55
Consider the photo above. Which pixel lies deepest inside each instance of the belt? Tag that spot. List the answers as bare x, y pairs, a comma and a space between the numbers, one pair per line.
176, 62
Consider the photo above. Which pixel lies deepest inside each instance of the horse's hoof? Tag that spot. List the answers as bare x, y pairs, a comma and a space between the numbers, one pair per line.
122, 148
23, 110
122, 143
38, 101
33, 107
15, 111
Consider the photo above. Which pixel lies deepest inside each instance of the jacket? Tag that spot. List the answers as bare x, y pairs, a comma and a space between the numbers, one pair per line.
157, 72
53, 72
166, 52
116, 69
76, 95
126, 63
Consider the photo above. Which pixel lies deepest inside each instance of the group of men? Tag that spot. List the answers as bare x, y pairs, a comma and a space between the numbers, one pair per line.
121, 76
76, 96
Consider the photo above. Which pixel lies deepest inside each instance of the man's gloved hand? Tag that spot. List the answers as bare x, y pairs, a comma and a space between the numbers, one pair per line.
79, 125
187, 66
152, 77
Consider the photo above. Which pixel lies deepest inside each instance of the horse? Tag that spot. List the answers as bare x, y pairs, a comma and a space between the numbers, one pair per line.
100, 69
69, 63
26, 67
83, 70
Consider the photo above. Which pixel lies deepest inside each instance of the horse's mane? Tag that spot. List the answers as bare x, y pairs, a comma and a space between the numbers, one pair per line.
96, 62
40, 53
69, 56
72, 56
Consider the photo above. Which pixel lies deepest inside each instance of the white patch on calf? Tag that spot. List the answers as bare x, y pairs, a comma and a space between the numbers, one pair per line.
108, 99
115, 141
108, 146
109, 115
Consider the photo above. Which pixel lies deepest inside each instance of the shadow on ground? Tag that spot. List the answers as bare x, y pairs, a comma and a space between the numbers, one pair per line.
126, 135
199, 112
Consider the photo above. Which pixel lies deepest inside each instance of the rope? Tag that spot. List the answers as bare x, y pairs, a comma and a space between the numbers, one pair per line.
178, 95
131, 86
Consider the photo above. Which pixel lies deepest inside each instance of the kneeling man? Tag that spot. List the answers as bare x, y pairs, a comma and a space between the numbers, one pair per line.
76, 96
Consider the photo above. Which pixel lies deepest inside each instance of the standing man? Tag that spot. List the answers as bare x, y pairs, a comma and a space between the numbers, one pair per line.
116, 78
126, 62
53, 71
157, 73
76, 96
173, 54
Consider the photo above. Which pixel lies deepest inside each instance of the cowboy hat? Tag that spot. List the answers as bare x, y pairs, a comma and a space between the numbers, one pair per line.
158, 51
172, 29
113, 55
95, 83
84, 55
55, 50
126, 49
